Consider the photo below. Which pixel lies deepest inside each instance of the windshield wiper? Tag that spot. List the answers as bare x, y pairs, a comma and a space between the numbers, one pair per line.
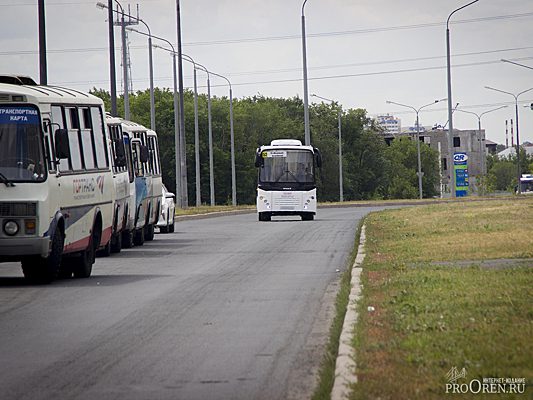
288, 173
6, 181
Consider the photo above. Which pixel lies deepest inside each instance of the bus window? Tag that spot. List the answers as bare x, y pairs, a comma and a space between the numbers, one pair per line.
58, 123
129, 157
74, 139
99, 138
86, 138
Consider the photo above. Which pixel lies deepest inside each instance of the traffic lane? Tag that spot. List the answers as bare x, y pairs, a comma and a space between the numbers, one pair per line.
221, 314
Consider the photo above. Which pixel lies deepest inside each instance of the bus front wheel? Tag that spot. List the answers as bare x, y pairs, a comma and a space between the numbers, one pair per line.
45, 270
308, 217
264, 216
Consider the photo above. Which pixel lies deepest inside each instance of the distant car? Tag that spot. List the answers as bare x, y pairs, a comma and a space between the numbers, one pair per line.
166, 218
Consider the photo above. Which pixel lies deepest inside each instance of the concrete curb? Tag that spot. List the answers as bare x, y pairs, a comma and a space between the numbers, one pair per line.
345, 365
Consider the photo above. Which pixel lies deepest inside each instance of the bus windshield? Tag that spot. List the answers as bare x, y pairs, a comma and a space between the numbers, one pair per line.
287, 165
21, 153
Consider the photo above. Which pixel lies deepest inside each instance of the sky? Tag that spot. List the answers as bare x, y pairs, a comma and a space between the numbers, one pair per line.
360, 53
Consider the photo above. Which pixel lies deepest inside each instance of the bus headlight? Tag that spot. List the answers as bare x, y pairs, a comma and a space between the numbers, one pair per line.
11, 228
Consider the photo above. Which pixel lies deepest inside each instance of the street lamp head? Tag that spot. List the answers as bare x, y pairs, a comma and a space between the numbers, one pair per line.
100, 5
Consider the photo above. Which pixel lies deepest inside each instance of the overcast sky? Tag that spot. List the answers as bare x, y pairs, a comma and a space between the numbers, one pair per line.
360, 52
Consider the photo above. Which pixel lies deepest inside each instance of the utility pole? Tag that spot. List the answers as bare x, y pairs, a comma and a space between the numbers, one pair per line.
126, 60
43, 75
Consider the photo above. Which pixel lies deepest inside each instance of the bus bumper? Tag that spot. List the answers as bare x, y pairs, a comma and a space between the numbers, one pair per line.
14, 249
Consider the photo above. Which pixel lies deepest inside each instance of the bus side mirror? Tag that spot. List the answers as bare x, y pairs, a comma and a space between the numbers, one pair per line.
144, 154
258, 160
318, 158
61, 144
120, 160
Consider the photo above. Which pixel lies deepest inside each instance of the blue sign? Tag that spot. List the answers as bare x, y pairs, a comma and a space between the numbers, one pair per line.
19, 115
460, 167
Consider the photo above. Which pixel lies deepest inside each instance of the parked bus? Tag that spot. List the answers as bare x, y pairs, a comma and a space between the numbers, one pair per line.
147, 170
286, 180
56, 182
124, 187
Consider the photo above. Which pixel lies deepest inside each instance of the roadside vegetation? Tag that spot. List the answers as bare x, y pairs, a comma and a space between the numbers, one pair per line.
436, 304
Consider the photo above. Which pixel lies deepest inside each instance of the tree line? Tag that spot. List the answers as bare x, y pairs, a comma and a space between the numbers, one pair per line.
371, 168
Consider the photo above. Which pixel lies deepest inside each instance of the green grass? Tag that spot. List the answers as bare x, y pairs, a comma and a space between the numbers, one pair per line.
429, 318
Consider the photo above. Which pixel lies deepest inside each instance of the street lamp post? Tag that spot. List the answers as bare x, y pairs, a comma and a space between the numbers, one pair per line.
306, 100
519, 174
151, 70
210, 130
450, 110
339, 115
196, 136
232, 142
124, 59
420, 174
177, 142
112, 72
481, 143
182, 108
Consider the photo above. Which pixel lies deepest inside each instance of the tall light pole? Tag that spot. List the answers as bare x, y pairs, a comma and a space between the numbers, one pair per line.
481, 140
450, 112
43, 74
519, 174
182, 108
232, 142
196, 136
210, 130
124, 58
417, 110
306, 100
339, 115
112, 71
151, 73
177, 142
150, 67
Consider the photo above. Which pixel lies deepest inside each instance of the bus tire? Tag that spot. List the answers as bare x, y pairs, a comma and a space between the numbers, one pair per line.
171, 227
83, 266
308, 217
138, 239
127, 239
149, 232
163, 229
116, 243
264, 216
45, 270
106, 251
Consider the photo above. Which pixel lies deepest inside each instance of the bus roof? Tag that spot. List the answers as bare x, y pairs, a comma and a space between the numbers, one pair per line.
45, 94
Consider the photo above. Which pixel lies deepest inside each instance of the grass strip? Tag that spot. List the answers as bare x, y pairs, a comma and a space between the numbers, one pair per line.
327, 367
429, 318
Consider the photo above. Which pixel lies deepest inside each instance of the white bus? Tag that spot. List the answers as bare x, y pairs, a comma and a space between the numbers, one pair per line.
124, 186
56, 183
286, 180
148, 182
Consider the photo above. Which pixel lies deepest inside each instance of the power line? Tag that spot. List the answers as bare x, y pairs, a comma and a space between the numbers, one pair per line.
377, 72
340, 76
355, 32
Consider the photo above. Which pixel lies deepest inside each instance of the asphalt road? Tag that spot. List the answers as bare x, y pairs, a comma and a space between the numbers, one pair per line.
225, 308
